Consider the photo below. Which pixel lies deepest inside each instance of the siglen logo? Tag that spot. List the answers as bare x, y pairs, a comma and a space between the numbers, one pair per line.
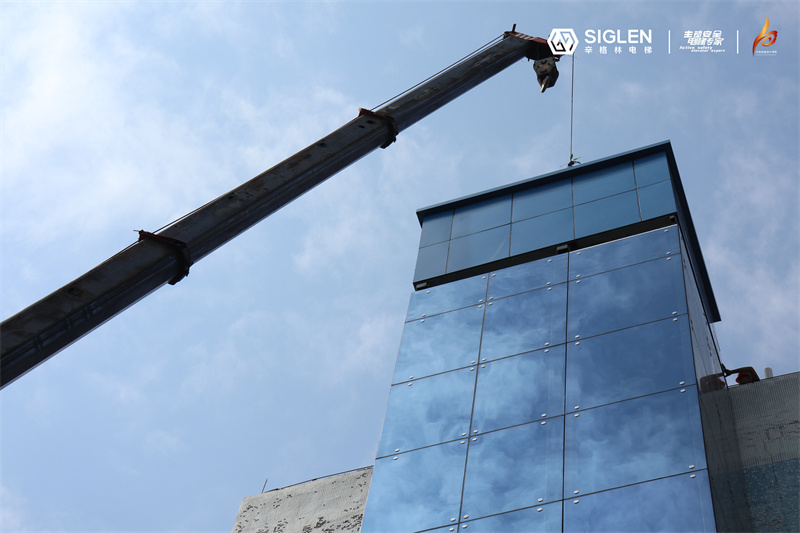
764, 38
562, 41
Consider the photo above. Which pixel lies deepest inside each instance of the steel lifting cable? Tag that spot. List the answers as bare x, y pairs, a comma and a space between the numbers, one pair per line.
448, 67
572, 159
466, 57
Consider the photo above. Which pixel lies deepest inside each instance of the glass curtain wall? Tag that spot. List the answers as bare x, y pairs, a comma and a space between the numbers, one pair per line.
556, 395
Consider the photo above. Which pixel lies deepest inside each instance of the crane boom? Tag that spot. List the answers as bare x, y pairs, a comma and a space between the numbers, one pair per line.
41, 330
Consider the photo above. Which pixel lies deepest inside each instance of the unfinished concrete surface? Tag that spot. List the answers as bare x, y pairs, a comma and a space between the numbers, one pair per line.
324, 505
767, 415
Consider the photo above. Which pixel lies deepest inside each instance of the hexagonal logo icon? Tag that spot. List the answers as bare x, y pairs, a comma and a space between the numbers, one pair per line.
562, 41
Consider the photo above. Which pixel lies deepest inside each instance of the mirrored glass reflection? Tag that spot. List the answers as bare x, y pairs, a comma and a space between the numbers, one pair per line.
431, 261
427, 411
525, 322
680, 504
512, 468
481, 216
439, 343
542, 231
626, 297
436, 228
624, 252
605, 214
602, 183
453, 295
528, 276
630, 362
417, 490
541, 519
706, 357
651, 169
519, 389
479, 248
656, 200
632, 441
542, 199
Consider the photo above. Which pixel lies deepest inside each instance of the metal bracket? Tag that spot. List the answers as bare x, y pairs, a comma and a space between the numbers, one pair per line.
387, 119
181, 252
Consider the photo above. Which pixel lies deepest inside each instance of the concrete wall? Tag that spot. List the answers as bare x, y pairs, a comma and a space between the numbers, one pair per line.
325, 505
767, 418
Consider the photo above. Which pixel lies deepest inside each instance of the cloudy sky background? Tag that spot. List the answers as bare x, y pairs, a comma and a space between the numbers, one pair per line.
274, 357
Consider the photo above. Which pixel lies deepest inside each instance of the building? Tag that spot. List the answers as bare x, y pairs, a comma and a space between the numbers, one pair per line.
558, 370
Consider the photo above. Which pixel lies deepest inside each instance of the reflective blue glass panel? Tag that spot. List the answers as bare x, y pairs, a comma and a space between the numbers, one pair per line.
519, 389
651, 169
541, 231
478, 248
608, 213
512, 468
439, 343
528, 276
524, 322
431, 261
656, 200
631, 441
602, 183
418, 490
481, 216
436, 228
428, 411
680, 504
630, 362
453, 295
626, 297
542, 199
541, 519
624, 252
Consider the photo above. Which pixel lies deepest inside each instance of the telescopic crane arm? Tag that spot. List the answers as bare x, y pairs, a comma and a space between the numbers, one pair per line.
41, 330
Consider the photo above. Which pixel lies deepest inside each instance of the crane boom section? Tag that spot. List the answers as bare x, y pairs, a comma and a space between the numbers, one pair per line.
41, 330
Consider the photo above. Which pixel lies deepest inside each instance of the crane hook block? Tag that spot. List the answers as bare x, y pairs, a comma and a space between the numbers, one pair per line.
546, 72
386, 119
181, 252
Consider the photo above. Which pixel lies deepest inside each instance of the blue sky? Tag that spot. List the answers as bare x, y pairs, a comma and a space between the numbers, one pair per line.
274, 357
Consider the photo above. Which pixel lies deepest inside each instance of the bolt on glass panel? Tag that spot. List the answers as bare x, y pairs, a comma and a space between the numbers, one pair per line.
427, 411
446, 297
605, 214
651, 169
524, 322
542, 199
662, 242
631, 441
519, 389
479, 248
481, 216
439, 343
542, 231
602, 183
656, 200
631, 362
436, 228
540, 519
625, 297
416, 490
512, 468
431, 261
528, 276
680, 504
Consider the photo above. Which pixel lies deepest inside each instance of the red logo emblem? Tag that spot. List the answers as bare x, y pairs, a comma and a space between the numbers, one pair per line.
765, 38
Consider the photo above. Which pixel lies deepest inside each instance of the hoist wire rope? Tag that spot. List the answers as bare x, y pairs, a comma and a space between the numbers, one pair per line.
465, 58
571, 107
